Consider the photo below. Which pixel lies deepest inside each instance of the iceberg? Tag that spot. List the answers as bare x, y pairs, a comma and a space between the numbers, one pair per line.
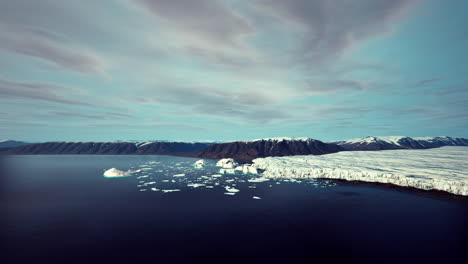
114, 173
442, 169
256, 197
199, 164
247, 168
228, 163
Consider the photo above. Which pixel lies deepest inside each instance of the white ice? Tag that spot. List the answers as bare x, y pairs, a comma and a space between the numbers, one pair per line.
173, 190
199, 164
247, 168
261, 179
179, 175
113, 172
227, 163
231, 190
444, 169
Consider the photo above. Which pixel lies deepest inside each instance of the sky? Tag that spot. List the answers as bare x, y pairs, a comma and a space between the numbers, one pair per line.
227, 70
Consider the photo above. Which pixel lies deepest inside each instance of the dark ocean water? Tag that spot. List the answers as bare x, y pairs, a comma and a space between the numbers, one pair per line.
61, 208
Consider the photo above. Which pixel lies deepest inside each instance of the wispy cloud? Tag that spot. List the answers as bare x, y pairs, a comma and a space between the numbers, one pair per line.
428, 81
40, 91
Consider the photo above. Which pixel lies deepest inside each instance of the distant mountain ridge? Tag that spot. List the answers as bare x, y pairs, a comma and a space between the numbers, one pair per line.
399, 142
12, 143
246, 151
111, 148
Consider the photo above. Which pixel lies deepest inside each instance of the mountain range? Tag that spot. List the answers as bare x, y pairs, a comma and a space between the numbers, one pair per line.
244, 151
385, 143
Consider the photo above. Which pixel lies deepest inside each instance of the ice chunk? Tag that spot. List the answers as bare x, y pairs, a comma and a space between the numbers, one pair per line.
247, 168
113, 172
154, 189
227, 163
216, 175
261, 179
229, 193
199, 164
179, 175
232, 190
173, 190
195, 185
256, 197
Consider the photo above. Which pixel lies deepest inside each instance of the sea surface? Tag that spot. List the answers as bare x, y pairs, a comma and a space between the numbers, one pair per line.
60, 208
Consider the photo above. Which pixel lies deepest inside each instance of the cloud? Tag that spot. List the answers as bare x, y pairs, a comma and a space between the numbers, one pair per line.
248, 104
205, 19
100, 116
39, 91
330, 28
428, 81
39, 29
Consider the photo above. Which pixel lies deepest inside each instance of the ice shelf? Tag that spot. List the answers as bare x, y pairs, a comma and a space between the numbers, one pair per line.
443, 169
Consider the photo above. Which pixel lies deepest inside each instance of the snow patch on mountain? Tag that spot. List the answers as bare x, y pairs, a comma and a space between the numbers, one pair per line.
280, 139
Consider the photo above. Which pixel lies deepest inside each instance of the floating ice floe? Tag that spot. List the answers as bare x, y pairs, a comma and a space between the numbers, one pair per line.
195, 185
154, 189
256, 197
168, 191
261, 179
231, 190
199, 164
179, 175
229, 193
216, 175
443, 169
113, 172
227, 163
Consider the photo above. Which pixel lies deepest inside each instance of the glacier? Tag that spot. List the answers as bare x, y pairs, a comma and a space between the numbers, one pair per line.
442, 169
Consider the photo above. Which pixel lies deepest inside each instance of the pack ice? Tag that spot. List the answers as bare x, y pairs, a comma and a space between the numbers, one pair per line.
443, 169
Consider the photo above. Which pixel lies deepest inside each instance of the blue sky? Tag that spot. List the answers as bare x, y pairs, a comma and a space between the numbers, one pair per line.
232, 69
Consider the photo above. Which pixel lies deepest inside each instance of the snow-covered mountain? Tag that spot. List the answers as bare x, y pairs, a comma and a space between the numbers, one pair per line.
400, 142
